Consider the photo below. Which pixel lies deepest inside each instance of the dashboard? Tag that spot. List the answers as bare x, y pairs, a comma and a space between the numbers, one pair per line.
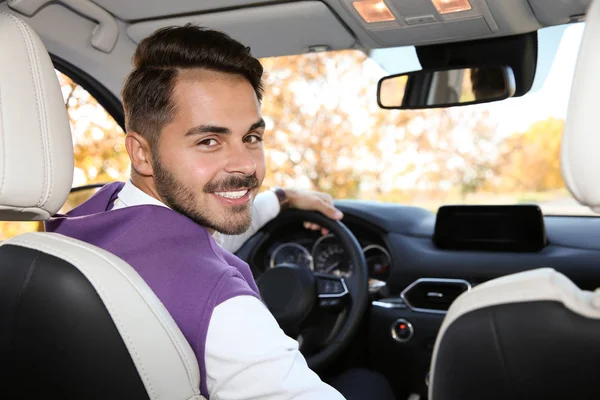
405, 267
398, 245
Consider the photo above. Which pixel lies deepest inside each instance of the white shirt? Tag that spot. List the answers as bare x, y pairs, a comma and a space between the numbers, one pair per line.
258, 361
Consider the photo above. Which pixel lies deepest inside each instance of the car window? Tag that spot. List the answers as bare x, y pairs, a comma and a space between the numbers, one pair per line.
99, 147
327, 132
98, 142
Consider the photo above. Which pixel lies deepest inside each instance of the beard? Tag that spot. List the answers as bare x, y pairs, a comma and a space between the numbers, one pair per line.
234, 220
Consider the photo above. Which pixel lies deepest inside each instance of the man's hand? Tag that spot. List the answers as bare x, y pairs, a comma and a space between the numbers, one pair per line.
313, 201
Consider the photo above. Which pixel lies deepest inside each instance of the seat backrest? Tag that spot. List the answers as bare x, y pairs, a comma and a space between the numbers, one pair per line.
532, 335
76, 322
79, 323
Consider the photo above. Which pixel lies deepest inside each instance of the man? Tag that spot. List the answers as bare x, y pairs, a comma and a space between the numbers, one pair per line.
488, 83
194, 137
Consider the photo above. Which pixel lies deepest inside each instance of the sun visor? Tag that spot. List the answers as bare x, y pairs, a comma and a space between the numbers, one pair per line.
299, 28
145, 9
559, 12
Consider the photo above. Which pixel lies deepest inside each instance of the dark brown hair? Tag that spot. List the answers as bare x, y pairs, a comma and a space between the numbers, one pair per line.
157, 61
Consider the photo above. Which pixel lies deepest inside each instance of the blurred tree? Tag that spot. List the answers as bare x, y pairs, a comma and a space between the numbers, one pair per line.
530, 161
329, 134
326, 129
98, 142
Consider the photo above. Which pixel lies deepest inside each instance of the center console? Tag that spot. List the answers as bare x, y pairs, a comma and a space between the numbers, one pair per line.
403, 330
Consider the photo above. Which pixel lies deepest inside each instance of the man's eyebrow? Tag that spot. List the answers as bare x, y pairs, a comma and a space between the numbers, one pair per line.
256, 125
202, 129
220, 130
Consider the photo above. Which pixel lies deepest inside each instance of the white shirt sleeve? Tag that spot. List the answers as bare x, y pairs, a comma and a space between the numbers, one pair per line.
248, 356
265, 208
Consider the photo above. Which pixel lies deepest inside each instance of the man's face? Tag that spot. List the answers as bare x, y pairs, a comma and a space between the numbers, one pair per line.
209, 161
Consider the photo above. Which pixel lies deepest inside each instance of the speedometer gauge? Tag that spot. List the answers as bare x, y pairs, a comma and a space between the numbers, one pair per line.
330, 257
291, 253
379, 261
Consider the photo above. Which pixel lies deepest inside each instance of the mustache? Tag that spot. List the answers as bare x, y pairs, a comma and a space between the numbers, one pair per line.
232, 182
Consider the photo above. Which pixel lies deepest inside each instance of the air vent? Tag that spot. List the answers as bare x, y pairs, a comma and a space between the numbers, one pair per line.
433, 295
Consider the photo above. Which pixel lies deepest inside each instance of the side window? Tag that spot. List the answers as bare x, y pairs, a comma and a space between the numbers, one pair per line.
99, 147
98, 142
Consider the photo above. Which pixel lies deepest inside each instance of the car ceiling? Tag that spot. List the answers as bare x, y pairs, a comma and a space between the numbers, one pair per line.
70, 30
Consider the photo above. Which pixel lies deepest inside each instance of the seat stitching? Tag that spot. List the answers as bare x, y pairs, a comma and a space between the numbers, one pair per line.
47, 191
41, 108
46, 134
500, 352
22, 290
2, 149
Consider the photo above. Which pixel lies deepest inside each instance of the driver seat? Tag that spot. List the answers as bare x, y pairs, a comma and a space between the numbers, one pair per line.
535, 334
76, 322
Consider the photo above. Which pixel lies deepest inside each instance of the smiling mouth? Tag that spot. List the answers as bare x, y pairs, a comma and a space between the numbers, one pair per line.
238, 194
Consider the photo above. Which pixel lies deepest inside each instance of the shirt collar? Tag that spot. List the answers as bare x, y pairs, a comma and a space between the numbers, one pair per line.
131, 195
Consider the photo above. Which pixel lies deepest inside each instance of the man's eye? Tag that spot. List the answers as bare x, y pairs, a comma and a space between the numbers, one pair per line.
253, 139
208, 142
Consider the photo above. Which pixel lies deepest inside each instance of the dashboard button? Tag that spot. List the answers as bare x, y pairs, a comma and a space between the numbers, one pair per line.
337, 287
327, 303
402, 330
330, 287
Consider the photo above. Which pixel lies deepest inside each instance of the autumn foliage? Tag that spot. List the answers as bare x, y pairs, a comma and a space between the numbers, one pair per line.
326, 132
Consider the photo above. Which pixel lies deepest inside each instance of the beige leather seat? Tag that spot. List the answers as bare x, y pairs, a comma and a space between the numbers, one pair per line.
534, 335
75, 321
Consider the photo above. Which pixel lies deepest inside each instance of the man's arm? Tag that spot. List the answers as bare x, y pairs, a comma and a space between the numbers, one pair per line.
248, 356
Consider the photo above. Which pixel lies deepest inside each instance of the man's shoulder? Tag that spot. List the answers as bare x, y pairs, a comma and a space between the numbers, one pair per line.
163, 246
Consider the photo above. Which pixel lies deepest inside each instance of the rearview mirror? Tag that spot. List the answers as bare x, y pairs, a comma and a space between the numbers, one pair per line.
433, 88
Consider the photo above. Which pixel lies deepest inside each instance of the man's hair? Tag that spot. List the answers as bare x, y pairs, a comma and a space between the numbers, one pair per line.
487, 82
159, 58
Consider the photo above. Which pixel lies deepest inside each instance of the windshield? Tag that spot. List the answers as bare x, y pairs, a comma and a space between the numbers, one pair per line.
327, 133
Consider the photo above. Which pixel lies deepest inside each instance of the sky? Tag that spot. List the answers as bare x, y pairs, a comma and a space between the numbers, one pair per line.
550, 93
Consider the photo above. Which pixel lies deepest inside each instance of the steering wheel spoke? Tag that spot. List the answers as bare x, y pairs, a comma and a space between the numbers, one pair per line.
331, 290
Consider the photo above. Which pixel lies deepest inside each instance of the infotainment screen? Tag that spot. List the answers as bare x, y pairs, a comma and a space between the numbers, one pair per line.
518, 228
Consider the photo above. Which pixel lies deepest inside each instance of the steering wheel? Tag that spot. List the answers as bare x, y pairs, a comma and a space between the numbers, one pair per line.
324, 311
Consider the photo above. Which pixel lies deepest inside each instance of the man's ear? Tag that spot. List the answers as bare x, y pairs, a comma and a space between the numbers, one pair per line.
140, 153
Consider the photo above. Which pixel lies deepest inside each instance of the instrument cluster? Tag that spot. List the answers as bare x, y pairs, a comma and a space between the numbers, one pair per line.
326, 255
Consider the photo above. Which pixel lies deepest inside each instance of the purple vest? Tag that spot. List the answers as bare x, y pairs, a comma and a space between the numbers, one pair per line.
180, 261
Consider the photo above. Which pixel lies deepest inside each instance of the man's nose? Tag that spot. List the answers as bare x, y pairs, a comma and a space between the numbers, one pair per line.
240, 160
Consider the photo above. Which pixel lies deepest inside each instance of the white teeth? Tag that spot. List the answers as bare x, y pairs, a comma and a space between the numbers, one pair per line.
232, 195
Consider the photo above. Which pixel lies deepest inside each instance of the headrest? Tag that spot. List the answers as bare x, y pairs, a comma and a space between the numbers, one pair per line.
580, 148
36, 149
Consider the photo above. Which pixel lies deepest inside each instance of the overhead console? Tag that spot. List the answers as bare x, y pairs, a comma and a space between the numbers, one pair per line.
422, 22
419, 21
